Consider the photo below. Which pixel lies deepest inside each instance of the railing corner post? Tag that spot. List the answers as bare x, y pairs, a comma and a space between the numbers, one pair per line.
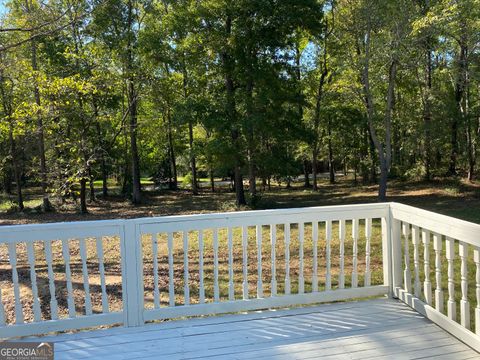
396, 241
392, 255
132, 274
386, 252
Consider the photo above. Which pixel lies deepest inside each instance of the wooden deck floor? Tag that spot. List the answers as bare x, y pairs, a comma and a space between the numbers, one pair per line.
380, 329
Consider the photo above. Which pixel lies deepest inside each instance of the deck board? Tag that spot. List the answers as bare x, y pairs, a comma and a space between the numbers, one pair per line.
372, 329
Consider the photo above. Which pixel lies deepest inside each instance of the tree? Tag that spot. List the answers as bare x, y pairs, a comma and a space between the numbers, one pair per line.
390, 23
117, 24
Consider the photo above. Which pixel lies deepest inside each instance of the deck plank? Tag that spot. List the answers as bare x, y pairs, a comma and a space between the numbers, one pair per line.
311, 319
251, 330
372, 329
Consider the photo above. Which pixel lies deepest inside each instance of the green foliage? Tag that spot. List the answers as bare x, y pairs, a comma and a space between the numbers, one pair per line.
259, 86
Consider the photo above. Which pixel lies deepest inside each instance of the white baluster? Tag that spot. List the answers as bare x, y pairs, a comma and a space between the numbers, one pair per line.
427, 285
86, 284
156, 290
301, 279
37, 312
245, 261
186, 277
231, 294
315, 256
341, 276
273, 243
464, 303
68, 275
216, 289
259, 262
101, 269
476, 259
171, 284
437, 246
355, 253
451, 306
200, 267
416, 260
328, 238
407, 275
12, 254
368, 235
51, 280
287, 258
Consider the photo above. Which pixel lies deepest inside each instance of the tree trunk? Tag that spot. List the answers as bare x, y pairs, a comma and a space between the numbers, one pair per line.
46, 205
316, 126
103, 163
460, 96
316, 122
331, 170
212, 180
83, 195
15, 161
193, 161
104, 177
228, 66
252, 179
384, 148
471, 153
91, 184
382, 186
452, 167
470, 140
16, 170
306, 172
127, 171
239, 192
173, 183
314, 168
136, 189
171, 150
331, 167
373, 159
132, 103
7, 181
427, 116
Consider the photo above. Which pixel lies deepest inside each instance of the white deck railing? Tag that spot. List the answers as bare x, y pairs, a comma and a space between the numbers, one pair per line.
440, 245
56, 277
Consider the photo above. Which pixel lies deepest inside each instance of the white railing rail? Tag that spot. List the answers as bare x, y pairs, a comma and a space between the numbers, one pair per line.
262, 228
427, 246
56, 277
22, 246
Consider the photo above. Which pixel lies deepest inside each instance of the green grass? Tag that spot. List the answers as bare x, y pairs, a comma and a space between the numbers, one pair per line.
8, 205
110, 183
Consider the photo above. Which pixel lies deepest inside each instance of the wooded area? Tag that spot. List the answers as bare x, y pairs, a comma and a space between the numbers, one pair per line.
247, 89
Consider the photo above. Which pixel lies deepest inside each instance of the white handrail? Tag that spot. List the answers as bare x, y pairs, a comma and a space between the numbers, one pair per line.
442, 224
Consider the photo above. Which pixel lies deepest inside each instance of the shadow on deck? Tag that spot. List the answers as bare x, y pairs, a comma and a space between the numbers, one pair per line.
380, 328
